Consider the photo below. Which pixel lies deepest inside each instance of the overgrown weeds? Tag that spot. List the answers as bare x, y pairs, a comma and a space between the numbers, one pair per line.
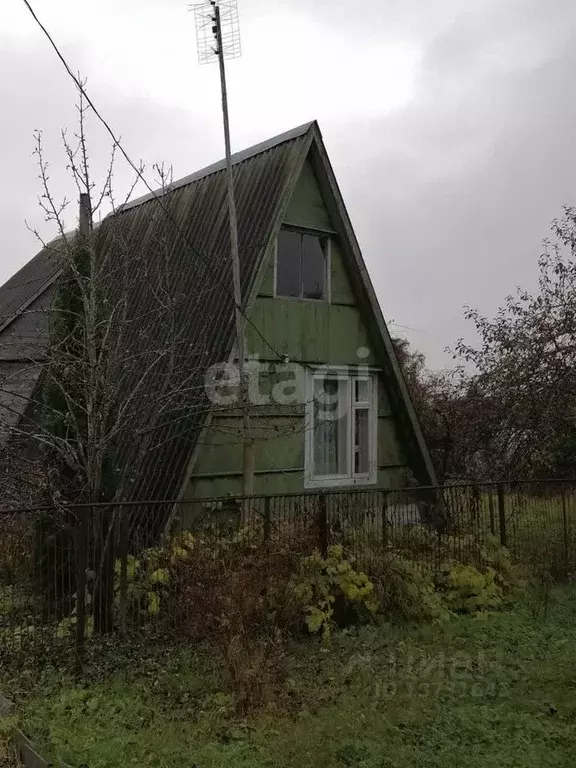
247, 600
9, 757
16, 550
477, 693
404, 591
225, 588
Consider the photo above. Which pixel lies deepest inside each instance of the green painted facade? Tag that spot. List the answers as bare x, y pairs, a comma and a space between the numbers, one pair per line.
308, 332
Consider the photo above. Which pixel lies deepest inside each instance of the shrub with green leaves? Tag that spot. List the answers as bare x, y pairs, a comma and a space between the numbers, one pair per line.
494, 555
150, 576
328, 591
482, 583
404, 591
466, 590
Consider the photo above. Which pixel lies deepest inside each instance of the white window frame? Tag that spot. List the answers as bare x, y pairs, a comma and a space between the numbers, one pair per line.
327, 277
350, 478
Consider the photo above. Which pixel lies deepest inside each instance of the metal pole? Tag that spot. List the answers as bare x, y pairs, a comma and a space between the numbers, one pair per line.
566, 536
502, 516
81, 563
322, 525
83, 515
248, 458
123, 603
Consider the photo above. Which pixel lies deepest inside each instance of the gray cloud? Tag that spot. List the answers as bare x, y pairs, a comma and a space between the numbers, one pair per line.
42, 98
450, 195
453, 204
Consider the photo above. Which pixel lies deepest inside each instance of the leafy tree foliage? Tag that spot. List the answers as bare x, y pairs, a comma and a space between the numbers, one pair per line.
524, 364
507, 410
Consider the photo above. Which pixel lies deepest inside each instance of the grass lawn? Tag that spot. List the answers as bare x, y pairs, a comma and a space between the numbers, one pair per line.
476, 692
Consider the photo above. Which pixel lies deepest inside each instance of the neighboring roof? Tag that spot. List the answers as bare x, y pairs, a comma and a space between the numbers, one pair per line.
17, 383
24, 302
194, 248
26, 285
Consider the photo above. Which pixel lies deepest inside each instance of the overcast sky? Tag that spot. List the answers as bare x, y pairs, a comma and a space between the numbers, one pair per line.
450, 125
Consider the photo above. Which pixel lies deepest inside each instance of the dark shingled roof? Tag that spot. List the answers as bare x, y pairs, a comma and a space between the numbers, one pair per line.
196, 236
26, 285
24, 301
238, 157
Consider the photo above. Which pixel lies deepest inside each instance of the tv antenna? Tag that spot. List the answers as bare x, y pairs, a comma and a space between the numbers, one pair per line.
218, 39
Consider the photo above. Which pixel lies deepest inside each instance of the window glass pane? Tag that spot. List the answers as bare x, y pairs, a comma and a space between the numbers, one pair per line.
330, 427
288, 264
361, 441
313, 267
361, 390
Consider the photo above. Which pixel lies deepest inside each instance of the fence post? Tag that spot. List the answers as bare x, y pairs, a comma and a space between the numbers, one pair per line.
322, 522
81, 565
491, 512
475, 510
566, 536
502, 515
384, 512
123, 546
266, 531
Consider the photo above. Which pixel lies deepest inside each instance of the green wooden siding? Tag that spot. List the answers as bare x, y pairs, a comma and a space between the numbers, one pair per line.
341, 292
306, 208
279, 440
307, 332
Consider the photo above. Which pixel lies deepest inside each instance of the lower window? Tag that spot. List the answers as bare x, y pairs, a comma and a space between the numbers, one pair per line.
341, 429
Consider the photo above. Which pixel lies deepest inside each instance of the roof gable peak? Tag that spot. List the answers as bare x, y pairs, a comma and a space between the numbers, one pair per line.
237, 158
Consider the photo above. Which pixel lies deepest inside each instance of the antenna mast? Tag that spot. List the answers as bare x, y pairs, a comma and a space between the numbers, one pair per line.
218, 36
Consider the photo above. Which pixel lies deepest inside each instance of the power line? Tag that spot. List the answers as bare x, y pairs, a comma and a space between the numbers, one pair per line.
138, 172
406, 327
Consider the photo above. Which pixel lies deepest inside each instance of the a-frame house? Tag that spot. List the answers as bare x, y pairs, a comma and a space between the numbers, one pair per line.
329, 406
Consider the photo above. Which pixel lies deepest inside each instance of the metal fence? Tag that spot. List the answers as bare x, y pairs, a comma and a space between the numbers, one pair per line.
67, 573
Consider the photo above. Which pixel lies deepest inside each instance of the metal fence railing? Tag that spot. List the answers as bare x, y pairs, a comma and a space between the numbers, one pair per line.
69, 572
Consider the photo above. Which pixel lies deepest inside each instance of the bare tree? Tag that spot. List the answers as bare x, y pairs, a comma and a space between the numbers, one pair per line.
109, 376
117, 363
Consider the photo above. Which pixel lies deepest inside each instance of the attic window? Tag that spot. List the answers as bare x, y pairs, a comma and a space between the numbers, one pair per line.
301, 265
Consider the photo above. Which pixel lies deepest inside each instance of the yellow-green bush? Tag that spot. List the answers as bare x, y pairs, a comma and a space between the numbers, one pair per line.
494, 555
234, 584
221, 578
465, 589
149, 577
326, 591
404, 591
